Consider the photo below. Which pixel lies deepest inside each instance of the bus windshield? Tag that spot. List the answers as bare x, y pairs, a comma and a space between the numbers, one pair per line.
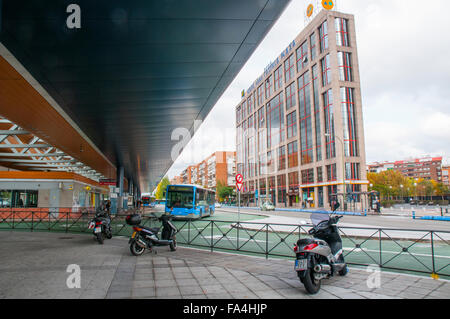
182, 197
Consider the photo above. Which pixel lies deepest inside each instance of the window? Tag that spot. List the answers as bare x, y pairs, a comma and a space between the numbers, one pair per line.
262, 165
331, 173
261, 118
317, 113
293, 155
323, 35
244, 110
250, 103
353, 193
293, 180
269, 87
308, 176
345, 66
349, 121
306, 136
326, 70
270, 163
302, 56
319, 175
281, 186
289, 71
238, 115
262, 141
260, 94
291, 125
278, 79
275, 121
312, 40
290, 96
282, 158
262, 187
342, 32
352, 171
329, 124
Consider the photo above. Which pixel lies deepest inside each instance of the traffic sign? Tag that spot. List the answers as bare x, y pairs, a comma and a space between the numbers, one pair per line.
239, 178
239, 186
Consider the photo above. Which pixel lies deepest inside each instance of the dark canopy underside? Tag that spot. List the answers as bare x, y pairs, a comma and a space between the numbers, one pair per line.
136, 69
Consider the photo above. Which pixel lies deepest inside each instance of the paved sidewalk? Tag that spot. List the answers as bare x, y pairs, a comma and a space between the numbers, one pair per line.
34, 265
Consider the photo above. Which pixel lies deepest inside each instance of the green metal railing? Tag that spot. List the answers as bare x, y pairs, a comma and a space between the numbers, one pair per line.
418, 251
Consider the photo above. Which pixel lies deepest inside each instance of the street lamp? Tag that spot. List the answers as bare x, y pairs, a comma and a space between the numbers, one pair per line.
343, 165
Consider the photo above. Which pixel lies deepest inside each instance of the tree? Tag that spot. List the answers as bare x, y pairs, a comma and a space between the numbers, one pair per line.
223, 191
161, 189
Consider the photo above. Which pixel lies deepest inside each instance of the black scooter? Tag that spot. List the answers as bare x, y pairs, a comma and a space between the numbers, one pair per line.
322, 256
101, 225
146, 238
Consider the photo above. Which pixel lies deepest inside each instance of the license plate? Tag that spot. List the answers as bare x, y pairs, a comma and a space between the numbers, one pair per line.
98, 230
134, 234
301, 264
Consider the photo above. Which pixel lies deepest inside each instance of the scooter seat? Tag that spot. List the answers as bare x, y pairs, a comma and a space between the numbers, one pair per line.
154, 230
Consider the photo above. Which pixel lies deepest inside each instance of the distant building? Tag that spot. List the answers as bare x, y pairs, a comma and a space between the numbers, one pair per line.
429, 168
445, 175
220, 166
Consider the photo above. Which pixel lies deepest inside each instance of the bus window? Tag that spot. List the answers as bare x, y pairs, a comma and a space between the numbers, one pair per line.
180, 199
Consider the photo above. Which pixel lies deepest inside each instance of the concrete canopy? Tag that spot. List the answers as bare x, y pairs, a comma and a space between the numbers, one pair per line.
135, 70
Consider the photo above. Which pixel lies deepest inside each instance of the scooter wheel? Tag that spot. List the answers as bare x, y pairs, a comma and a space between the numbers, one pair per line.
343, 272
136, 250
173, 245
100, 238
312, 285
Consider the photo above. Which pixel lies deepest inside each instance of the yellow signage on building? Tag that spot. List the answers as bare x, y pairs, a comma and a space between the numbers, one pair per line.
310, 10
328, 4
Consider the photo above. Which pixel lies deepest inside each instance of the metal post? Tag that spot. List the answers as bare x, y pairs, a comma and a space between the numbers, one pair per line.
239, 206
432, 253
212, 239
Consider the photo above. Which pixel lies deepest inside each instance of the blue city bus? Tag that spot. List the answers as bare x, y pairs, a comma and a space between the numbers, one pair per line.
190, 201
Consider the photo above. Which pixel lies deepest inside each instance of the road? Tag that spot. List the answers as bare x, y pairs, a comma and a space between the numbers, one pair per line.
387, 221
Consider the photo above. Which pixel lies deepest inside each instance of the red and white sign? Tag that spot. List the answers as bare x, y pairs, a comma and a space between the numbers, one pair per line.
239, 181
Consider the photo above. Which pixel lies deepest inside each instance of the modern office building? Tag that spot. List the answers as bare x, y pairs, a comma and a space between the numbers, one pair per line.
300, 124
427, 168
220, 166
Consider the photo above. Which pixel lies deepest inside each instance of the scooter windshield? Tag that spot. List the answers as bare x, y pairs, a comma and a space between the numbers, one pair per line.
317, 218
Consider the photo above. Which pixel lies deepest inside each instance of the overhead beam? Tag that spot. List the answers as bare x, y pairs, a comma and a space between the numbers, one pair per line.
10, 160
25, 146
14, 132
31, 155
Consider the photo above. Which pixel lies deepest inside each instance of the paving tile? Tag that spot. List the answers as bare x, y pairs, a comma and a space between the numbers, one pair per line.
144, 292
167, 292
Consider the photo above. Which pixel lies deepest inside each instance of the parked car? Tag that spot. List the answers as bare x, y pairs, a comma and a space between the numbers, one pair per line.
218, 205
267, 206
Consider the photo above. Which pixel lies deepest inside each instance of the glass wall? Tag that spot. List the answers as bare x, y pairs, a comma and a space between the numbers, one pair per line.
18, 198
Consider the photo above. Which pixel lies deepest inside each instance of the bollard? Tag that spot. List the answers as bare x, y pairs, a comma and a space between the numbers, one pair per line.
414, 215
442, 212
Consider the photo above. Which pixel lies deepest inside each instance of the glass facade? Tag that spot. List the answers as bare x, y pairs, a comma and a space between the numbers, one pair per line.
278, 78
326, 70
306, 135
302, 56
345, 66
330, 137
316, 97
323, 35
289, 70
293, 154
291, 100
349, 121
341, 32
291, 123
275, 121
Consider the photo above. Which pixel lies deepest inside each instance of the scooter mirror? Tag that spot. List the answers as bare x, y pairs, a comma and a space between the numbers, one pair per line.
336, 205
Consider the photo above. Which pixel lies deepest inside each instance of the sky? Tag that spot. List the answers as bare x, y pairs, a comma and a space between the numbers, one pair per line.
403, 50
